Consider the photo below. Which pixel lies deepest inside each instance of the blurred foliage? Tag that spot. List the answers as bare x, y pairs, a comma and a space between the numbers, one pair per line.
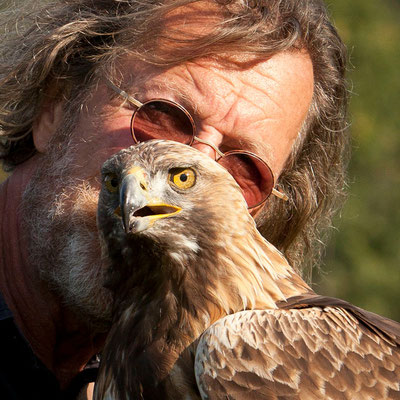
363, 258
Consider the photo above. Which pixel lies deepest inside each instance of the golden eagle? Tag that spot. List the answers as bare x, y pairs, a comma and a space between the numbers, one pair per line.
206, 308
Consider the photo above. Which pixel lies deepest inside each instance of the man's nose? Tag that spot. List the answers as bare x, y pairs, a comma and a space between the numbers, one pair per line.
208, 144
205, 148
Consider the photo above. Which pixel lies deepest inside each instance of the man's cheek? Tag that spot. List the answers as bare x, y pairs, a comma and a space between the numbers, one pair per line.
88, 156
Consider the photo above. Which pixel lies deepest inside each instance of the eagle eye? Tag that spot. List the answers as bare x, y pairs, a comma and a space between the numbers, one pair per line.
111, 182
182, 178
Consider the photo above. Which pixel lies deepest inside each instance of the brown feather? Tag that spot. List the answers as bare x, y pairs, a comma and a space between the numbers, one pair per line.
325, 352
206, 308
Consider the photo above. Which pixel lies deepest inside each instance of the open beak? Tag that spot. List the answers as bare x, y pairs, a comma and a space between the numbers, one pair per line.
137, 208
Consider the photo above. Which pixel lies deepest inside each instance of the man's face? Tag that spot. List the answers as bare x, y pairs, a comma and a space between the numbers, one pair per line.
260, 109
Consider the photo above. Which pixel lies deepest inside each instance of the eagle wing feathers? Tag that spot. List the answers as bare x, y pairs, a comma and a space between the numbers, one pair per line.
205, 307
312, 352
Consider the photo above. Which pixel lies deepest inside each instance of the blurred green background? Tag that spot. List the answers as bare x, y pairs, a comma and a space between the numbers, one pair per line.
363, 256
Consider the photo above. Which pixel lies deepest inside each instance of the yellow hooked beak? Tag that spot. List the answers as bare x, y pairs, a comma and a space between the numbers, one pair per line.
138, 209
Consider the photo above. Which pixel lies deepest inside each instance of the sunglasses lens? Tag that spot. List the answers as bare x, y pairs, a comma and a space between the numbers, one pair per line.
160, 119
252, 174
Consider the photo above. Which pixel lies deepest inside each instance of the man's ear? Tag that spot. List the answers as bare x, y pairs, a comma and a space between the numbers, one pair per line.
46, 124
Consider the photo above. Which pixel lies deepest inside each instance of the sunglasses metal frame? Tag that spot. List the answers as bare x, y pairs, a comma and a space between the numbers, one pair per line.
139, 105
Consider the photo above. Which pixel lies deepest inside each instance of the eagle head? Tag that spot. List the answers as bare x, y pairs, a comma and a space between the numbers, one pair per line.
167, 198
163, 220
182, 252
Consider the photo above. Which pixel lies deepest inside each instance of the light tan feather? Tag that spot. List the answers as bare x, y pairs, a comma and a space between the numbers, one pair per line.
305, 354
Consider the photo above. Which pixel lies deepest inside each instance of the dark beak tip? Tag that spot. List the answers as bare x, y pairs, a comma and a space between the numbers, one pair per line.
130, 225
127, 225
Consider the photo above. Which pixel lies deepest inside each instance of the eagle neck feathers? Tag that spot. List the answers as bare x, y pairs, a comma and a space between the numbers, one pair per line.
164, 305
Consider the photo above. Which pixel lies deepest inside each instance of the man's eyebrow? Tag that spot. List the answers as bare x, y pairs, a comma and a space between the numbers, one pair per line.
168, 89
260, 148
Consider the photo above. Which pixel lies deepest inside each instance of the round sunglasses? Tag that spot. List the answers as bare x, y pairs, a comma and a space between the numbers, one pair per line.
165, 119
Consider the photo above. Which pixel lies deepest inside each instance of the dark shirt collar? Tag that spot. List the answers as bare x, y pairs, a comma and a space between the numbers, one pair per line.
5, 312
19, 364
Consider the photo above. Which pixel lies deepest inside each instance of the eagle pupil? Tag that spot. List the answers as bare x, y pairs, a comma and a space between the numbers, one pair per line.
183, 177
114, 182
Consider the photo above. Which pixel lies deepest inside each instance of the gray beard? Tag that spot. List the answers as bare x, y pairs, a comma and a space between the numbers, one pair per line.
60, 215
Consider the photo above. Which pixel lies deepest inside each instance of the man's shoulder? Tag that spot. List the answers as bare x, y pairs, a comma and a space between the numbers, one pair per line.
22, 374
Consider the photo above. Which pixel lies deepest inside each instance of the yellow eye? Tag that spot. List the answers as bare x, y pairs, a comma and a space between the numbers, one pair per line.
182, 178
111, 182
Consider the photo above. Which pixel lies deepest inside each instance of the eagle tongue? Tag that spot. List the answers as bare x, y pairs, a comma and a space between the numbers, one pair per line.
155, 209
143, 212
